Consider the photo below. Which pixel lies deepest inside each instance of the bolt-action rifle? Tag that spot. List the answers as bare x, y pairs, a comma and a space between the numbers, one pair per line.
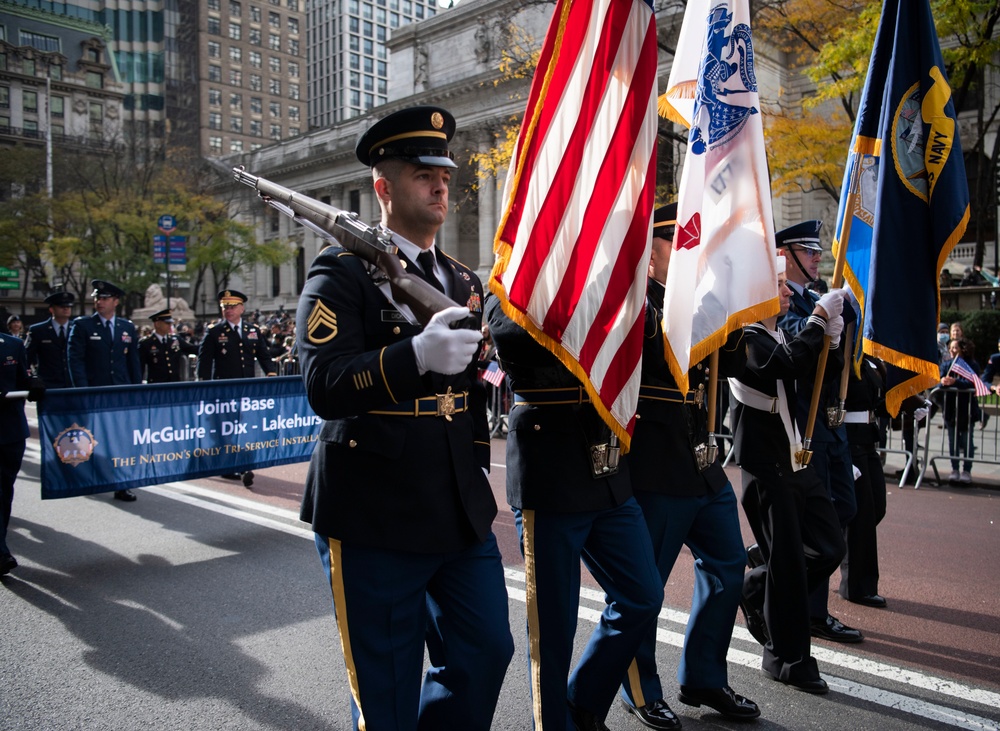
371, 243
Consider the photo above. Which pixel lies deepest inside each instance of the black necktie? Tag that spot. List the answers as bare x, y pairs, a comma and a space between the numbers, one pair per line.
426, 261
107, 327
62, 334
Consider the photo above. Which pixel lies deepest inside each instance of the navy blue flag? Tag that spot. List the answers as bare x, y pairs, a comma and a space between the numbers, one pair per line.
117, 437
905, 200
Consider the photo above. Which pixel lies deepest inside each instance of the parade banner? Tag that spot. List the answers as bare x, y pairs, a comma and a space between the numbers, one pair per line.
118, 437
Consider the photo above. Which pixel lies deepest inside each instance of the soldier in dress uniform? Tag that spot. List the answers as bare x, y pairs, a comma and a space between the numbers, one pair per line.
161, 352
103, 348
786, 504
572, 499
13, 431
47, 342
800, 245
15, 327
229, 349
397, 491
686, 500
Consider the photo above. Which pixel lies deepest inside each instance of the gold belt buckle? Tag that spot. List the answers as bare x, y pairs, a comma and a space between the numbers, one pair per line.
445, 404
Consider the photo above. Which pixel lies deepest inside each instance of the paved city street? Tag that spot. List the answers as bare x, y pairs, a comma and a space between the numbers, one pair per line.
202, 606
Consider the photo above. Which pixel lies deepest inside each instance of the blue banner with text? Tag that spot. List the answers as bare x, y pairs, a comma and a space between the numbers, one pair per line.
118, 437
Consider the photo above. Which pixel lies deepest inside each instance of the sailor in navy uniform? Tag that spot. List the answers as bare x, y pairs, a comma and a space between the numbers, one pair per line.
397, 491
47, 342
800, 245
230, 346
103, 348
13, 431
686, 500
162, 353
786, 504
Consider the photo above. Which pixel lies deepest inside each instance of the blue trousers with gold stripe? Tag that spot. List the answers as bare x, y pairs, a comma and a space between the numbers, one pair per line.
614, 546
388, 604
709, 525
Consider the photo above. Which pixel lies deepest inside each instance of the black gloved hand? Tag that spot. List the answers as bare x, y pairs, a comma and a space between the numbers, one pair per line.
36, 389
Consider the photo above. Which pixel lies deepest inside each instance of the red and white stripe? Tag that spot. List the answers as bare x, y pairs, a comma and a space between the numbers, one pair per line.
573, 246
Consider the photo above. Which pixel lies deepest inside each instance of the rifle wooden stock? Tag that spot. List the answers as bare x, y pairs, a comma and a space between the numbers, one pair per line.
371, 243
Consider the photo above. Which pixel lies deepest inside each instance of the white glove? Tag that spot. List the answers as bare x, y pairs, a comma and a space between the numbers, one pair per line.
834, 328
832, 303
920, 414
443, 350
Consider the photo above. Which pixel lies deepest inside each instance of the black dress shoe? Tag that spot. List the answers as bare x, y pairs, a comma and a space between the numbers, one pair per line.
7, 563
247, 478
126, 496
872, 600
834, 630
756, 625
656, 714
721, 700
584, 720
816, 686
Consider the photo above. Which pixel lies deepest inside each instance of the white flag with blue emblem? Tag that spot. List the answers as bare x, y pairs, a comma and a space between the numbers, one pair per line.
722, 267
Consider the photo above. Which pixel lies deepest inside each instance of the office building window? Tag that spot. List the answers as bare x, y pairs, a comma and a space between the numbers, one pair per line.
235, 31
255, 59
256, 105
96, 112
274, 20
95, 79
274, 87
236, 102
256, 128
274, 64
235, 8
213, 4
214, 73
275, 132
214, 49
215, 145
293, 5
254, 36
255, 82
235, 54
214, 120
215, 97
293, 131
55, 71
29, 101
254, 14
236, 124
293, 47
275, 108
293, 91
274, 41
293, 25
236, 145
235, 77
57, 106
215, 26
293, 69
293, 113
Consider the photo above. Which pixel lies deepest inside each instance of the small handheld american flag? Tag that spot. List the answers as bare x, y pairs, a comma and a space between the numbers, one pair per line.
493, 374
961, 368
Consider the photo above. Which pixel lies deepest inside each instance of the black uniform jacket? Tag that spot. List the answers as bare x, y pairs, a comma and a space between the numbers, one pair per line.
13, 377
47, 354
548, 446
379, 475
866, 393
760, 440
223, 354
670, 424
161, 361
97, 360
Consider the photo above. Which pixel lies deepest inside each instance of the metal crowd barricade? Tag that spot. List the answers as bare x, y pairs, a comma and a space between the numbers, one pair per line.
903, 437
977, 443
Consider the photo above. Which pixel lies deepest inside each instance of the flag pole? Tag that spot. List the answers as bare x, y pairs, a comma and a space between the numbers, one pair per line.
713, 390
805, 454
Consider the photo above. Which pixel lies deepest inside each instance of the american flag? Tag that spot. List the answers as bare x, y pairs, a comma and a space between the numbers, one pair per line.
722, 268
960, 368
573, 245
493, 374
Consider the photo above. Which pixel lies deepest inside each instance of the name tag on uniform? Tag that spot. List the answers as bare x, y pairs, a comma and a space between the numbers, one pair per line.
96, 337
392, 316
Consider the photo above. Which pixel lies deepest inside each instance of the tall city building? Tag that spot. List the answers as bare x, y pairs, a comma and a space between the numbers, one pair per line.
212, 76
348, 70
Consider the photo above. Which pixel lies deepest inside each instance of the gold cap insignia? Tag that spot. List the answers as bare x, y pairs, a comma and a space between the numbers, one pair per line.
437, 120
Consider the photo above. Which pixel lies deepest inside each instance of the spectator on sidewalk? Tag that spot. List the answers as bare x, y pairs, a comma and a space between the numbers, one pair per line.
961, 410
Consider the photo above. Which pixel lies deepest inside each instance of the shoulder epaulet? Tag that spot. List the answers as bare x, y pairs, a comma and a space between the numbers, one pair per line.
455, 261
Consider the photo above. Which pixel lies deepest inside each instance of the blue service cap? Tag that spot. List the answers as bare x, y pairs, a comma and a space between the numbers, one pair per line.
105, 289
805, 235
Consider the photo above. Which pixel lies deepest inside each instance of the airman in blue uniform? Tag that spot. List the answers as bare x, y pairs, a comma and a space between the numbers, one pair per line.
161, 353
47, 342
103, 348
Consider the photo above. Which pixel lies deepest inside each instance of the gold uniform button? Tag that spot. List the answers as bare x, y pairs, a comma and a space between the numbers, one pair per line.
352, 444
537, 427
395, 330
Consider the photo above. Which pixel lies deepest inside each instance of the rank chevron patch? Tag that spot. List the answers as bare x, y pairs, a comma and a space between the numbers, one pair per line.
322, 324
